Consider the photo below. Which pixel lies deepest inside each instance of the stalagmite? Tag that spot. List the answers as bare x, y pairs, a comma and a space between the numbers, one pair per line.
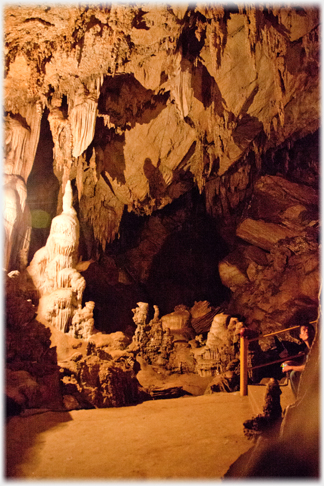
53, 271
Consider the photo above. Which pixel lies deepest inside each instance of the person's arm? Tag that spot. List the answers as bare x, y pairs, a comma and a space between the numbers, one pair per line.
289, 367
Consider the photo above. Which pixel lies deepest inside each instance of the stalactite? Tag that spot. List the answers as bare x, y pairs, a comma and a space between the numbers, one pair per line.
32, 114
103, 211
16, 136
181, 89
275, 45
61, 134
83, 120
197, 166
217, 33
252, 23
17, 221
83, 114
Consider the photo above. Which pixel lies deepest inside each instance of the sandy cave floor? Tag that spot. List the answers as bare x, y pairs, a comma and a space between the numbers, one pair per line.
189, 438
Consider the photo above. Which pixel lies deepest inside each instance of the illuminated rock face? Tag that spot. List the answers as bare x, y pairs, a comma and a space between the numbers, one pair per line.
145, 104
16, 221
54, 275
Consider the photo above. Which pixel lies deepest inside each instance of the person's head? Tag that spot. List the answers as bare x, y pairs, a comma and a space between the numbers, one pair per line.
307, 333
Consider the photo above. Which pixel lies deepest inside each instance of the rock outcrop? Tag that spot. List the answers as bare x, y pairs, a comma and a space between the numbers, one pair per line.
276, 275
32, 374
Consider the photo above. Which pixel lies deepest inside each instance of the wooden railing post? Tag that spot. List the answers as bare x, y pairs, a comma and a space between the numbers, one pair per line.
244, 342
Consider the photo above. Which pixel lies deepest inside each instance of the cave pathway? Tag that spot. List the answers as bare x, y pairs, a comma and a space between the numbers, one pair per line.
189, 438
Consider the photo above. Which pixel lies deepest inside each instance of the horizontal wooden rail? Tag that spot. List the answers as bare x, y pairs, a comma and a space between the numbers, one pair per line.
287, 358
244, 342
272, 333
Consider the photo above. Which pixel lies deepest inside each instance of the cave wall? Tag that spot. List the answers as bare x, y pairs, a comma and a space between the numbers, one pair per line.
160, 112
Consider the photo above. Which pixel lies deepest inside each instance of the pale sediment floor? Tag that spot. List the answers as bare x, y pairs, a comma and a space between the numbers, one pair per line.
185, 438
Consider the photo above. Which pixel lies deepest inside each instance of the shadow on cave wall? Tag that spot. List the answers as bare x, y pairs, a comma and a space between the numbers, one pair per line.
186, 268
114, 302
42, 189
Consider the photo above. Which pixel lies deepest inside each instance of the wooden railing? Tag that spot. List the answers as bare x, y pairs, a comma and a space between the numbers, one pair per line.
244, 345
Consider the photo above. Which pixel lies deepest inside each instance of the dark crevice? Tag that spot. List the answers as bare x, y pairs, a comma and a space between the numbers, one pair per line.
42, 189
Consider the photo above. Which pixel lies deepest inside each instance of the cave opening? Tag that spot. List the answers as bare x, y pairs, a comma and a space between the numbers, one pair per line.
185, 270
167, 259
42, 189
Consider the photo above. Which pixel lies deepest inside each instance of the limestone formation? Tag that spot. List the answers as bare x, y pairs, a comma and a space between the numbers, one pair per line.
227, 381
59, 284
32, 373
268, 423
82, 325
140, 313
265, 276
221, 348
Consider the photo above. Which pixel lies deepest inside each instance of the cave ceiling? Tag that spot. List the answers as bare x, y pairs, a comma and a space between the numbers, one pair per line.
137, 105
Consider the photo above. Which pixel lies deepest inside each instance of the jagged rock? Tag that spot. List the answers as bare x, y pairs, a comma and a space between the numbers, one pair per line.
202, 316
102, 382
227, 381
263, 234
70, 402
32, 374
177, 81
267, 423
173, 392
230, 272
282, 209
177, 320
19, 311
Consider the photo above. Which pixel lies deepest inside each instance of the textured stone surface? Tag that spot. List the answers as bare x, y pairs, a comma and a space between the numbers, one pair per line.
163, 98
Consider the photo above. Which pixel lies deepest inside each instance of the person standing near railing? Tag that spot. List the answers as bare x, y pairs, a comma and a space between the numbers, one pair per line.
306, 334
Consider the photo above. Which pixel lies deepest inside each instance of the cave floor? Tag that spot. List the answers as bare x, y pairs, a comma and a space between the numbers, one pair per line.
189, 438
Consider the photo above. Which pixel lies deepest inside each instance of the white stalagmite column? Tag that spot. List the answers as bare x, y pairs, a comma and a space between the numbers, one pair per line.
53, 268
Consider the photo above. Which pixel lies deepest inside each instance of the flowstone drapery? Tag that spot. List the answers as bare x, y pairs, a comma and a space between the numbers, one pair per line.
54, 275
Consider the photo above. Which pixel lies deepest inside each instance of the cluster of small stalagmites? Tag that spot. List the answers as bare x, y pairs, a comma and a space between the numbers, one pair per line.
171, 343
221, 347
150, 340
164, 342
82, 324
104, 377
